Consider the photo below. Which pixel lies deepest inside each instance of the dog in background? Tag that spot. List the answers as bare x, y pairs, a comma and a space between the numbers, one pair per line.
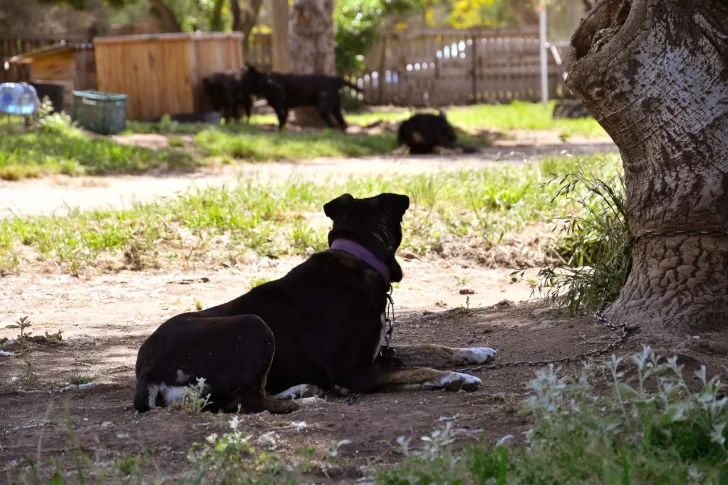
284, 92
223, 90
427, 133
322, 326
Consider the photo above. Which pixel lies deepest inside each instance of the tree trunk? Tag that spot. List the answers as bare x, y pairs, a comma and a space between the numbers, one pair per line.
164, 16
237, 14
279, 20
654, 73
311, 45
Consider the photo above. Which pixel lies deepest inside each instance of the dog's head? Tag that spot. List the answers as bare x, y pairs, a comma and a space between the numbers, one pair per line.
252, 80
210, 85
373, 222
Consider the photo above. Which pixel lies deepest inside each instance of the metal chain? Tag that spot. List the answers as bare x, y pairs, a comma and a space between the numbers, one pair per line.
599, 315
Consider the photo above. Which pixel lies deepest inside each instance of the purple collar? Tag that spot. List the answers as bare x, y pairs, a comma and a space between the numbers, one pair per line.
363, 253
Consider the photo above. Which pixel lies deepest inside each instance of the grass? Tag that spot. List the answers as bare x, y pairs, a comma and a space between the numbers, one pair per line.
633, 421
218, 225
501, 117
79, 380
595, 245
56, 147
59, 148
654, 429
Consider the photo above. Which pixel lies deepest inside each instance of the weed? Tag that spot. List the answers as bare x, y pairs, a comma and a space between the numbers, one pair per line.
176, 142
231, 458
23, 325
462, 280
194, 398
198, 305
594, 244
261, 280
29, 375
79, 380
655, 430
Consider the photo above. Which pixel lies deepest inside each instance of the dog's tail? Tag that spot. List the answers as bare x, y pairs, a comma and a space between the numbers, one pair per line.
141, 394
356, 88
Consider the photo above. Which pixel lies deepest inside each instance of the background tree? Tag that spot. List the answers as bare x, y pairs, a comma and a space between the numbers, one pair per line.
654, 73
311, 47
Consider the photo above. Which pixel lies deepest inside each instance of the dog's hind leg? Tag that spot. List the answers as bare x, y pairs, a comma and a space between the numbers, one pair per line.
339, 117
325, 107
434, 356
418, 378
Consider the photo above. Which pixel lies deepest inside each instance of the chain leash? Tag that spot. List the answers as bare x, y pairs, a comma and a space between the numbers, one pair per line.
599, 315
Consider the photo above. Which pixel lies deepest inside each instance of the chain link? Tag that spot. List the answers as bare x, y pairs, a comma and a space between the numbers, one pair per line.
599, 315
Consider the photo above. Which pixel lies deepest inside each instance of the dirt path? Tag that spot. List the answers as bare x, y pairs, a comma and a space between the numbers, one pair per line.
104, 321
56, 195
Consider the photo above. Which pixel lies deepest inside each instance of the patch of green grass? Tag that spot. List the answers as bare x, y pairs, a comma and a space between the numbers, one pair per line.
78, 380
652, 430
258, 146
216, 225
501, 117
69, 151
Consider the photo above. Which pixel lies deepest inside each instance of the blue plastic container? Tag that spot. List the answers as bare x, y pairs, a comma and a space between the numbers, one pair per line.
18, 99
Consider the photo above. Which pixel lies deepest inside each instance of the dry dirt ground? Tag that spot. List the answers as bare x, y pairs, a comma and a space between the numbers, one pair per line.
104, 319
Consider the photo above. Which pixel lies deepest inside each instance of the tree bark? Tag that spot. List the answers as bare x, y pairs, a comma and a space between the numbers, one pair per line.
654, 74
237, 14
311, 47
164, 16
279, 22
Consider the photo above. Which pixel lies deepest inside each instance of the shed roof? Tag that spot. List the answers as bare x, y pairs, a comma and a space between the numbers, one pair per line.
49, 51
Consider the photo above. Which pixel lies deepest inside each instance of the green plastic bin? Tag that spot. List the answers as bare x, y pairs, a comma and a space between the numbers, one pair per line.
102, 113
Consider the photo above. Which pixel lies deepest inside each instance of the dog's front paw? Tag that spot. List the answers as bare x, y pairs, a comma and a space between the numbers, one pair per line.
477, 355
454, 381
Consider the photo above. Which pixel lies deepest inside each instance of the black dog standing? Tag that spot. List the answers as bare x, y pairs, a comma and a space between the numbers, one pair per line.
284, 92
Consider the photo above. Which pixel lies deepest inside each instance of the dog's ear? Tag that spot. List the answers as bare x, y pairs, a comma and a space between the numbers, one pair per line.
337, 207
398, 203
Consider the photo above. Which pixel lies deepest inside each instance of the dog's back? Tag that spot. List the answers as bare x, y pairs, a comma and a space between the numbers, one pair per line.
423, 132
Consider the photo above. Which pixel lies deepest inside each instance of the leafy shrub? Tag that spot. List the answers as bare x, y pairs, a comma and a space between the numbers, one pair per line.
655, 430
594, 244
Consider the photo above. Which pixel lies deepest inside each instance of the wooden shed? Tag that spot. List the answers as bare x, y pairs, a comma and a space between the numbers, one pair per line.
69, 65
162, 73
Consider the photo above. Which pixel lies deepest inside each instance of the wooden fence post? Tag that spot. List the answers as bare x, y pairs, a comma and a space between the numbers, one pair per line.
474, 71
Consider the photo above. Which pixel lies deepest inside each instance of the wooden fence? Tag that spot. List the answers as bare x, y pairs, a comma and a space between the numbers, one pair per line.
435, 68
449, 67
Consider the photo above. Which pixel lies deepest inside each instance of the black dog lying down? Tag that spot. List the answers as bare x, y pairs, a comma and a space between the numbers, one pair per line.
322, 325
225, 95
287, 91
426, 133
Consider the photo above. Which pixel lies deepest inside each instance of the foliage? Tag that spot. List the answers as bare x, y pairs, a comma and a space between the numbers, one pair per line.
594, 244
655, 430
357, 24
218, 225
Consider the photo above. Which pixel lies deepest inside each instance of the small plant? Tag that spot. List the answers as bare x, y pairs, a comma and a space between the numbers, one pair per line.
258, 281
335, 446
194, 399
594, 245
23, 325
176, 142
79, 380
653, 428
232, 459
462, 280
198, 305
29, 374
54, 337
